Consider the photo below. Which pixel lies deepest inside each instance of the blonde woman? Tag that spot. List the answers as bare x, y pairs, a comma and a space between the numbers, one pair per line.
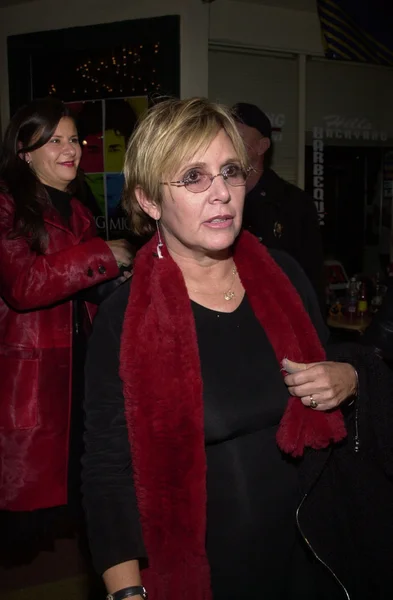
214, 423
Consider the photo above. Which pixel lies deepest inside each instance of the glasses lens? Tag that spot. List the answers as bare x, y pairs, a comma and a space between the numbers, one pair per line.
197, 181
234, 175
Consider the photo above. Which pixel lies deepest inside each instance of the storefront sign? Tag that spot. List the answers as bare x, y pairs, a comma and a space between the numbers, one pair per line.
318, 173
344, 128
119, 224
336, 127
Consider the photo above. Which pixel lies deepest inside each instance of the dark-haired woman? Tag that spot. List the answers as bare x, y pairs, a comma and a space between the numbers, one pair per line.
50, 257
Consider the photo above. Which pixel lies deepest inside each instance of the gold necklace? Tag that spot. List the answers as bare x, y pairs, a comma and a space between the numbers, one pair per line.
229, 294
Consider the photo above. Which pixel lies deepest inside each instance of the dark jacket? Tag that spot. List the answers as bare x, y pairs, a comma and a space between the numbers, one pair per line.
346, 515
284, 217
379, 334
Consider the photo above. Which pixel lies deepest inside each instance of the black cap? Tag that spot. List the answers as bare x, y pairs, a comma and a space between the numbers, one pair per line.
251, 115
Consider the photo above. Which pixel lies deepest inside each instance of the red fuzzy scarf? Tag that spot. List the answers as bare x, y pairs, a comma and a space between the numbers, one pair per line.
160, 369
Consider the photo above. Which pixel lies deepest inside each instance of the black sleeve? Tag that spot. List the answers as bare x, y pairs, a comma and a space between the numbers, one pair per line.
305, 290
100, 292
373, 408
107, 480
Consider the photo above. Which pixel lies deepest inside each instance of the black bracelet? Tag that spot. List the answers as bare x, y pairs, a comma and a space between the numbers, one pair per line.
134, 590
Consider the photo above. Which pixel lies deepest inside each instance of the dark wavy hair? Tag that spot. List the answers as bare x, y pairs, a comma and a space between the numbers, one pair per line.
31, 127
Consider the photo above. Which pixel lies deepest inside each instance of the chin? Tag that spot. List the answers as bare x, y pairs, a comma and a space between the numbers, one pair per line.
223, 241
69, 179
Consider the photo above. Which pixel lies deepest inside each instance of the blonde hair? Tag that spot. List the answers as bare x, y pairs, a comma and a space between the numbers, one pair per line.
171, 132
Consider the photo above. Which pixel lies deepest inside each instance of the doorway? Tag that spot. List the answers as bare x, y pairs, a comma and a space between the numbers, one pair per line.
355, 207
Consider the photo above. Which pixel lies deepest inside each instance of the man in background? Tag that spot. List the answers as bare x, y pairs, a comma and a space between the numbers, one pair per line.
280, 214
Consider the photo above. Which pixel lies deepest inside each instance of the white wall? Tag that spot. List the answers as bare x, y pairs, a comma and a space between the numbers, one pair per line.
42, 15
250, 24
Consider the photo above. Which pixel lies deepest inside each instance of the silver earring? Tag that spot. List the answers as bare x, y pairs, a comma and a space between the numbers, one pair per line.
28, 162
160, 244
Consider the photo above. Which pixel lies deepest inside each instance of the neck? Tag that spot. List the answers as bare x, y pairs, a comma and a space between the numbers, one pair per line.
206, 267
213, 284
56, 186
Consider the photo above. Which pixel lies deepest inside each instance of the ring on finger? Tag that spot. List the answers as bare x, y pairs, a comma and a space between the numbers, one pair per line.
313, 403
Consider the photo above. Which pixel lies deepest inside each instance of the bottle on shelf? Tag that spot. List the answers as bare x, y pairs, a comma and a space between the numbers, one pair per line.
362, 306
352, 297
377, 297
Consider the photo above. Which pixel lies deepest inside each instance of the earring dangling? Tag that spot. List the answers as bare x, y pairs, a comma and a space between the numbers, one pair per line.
160, 244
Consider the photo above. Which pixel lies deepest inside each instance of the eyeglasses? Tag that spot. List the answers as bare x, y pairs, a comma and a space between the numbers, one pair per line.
197, 180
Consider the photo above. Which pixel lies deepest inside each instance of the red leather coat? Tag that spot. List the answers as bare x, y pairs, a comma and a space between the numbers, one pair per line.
35, 351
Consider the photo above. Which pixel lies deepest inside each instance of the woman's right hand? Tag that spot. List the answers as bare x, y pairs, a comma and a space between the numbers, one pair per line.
122, 252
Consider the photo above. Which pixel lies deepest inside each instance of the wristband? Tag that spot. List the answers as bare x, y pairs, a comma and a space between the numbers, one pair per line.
134, 590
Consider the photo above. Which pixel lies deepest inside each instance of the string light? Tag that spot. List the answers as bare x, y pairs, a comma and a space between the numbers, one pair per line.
133, 63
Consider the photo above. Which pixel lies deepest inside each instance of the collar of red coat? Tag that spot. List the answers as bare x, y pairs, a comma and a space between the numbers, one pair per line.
160, 369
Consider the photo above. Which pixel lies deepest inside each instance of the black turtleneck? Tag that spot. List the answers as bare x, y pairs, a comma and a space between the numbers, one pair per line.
61, 201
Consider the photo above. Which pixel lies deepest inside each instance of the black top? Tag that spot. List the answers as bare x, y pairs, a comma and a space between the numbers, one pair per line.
285, 217
252, 488
61, 201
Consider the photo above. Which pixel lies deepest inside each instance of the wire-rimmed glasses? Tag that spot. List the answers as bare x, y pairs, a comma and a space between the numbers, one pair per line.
197, 180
